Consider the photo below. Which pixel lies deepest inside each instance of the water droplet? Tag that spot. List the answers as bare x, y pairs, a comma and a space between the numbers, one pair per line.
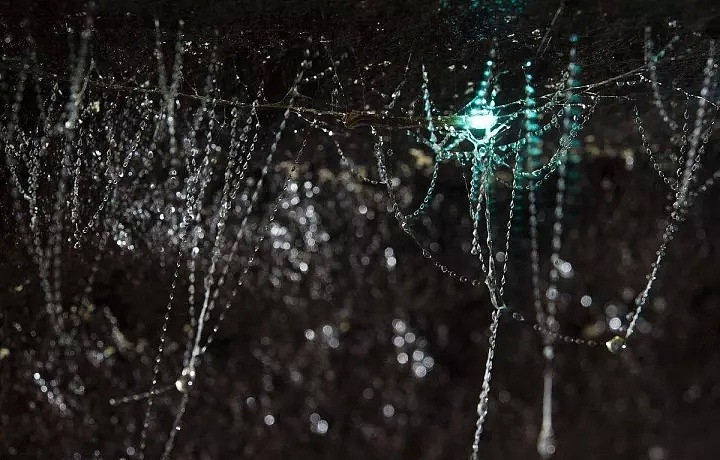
185, 381
616, 344
546, 443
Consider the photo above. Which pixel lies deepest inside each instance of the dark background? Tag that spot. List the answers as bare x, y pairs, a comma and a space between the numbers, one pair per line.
660, 399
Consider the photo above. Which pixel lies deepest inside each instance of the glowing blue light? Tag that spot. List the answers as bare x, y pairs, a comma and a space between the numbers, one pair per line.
481, 119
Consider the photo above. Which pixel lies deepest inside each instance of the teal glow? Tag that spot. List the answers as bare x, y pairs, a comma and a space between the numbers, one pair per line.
481, 119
